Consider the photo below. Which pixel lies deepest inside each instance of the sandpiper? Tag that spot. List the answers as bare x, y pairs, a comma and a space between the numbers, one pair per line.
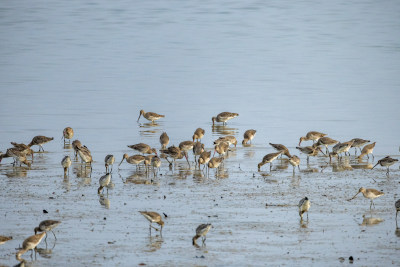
214, 163
198, 148
326, 141
201, 231
186, 146
281, 148
173, 152
25, 149
164, 140
109, 161
310, 151
39, 141
294, 161
143, 148
66, 163
75, 145
224, 117
204, 158
104, 181
153, 217
46, 226
230, 139
29, 244
304, 206
68, 133
313, 135
151, 116
340, 148
135, 159
17, 155
156, 164
85, 155
198, 134
367, 149
386, 162
358, 142
369, 193
248, 136
221, 148
268, 159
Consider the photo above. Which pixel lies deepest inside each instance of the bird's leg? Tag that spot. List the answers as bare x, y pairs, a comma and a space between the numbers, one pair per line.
373, 157
270, 166
54, 234
308, 159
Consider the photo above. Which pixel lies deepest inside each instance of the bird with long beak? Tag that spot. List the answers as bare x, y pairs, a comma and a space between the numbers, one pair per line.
198, 134
313, 135
30, 244
386, 162
201, 231
269, 158
104, 181
135, 159
369, 193
310, 151
153, 217
150, 116
224, 117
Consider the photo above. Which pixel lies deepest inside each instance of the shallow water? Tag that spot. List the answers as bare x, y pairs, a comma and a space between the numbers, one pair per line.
285, 67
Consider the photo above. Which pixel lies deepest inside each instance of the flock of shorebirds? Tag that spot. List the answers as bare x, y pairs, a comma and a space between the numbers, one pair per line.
149, 157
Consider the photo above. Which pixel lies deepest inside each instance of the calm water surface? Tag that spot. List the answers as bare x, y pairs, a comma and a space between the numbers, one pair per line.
287, 67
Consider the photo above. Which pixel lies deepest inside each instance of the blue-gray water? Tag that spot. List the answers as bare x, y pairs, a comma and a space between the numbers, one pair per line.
287, 67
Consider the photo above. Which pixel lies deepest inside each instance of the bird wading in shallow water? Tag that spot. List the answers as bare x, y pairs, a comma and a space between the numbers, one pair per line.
150, 116
369, 193
224, 117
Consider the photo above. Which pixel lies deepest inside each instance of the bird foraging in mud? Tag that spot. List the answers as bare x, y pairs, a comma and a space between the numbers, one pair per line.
153, 217
386, 162
46, 226
304, 206
201, 231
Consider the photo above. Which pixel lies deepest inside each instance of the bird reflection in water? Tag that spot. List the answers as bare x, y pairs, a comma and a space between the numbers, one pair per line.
154, 243
283, 164
104, 201
198, 176
224, 130
369, 221
46, 252
19, 172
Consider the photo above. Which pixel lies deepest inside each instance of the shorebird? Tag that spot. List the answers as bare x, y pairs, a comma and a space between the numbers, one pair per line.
224, 117
397, 206
39, 141
25, 149
46, 226
339, 148
75, 145
17, 155
326, 141
164, 140
68, 133
294, 161
204, 158
174, 152
109, 161
150, 116
85, 155
198, 148
186, 146
248, 136
369, 193
386, 162
143, 148
30, 244
153, 217
281, 148
66, 163
104, 181
358, 142
367, 149
268, 159
230, 139
304, 206
156, 164
201, 231
313, 135
135, 159
214, 163
4, 239
221, 148
198, 134
310, 151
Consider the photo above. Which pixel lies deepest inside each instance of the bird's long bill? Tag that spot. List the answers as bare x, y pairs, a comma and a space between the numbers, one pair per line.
353, 197
139, 117
375, 166
121, 161
321, 151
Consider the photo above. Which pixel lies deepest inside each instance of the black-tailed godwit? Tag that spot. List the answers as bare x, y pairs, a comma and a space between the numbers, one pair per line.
201, 231
224, 117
